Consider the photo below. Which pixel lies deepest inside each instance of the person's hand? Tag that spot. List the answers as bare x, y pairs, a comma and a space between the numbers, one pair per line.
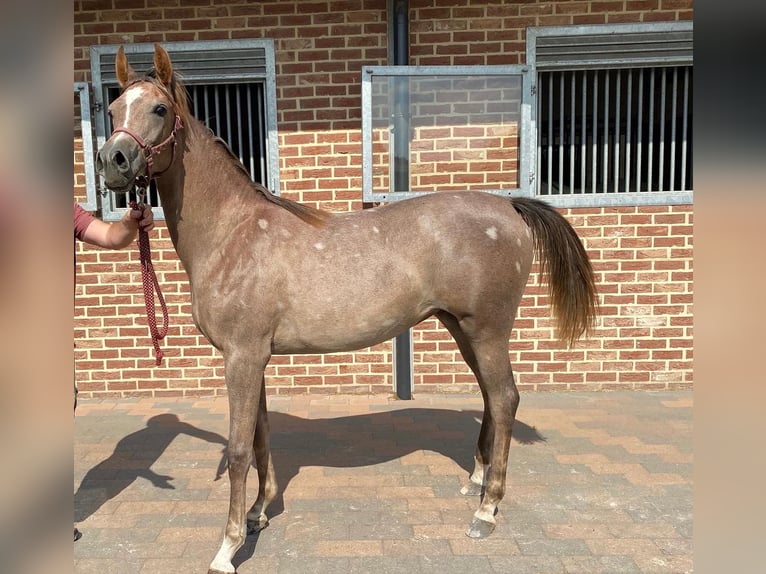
143, 217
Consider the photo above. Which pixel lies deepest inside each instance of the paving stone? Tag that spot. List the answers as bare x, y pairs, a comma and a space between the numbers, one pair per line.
526, 564
597, 482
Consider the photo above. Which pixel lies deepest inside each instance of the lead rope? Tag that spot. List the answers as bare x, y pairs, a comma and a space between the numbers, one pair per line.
150, 283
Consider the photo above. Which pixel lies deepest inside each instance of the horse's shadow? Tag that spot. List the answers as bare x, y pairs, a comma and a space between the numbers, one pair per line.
133, 458
339, 442
370, 439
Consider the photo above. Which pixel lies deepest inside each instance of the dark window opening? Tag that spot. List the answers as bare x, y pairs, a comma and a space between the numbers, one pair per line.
615, 130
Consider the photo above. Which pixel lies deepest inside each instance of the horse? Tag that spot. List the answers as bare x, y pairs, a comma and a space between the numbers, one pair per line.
271, 276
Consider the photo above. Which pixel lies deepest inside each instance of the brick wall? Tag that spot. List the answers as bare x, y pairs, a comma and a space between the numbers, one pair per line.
642, 256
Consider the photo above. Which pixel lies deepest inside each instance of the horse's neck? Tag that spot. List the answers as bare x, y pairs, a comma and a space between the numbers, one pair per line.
197, 192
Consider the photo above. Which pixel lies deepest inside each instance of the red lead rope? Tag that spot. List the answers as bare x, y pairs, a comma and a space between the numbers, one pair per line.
149, 280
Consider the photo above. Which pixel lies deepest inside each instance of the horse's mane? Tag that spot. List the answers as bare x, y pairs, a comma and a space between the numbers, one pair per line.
308, 214
178, 94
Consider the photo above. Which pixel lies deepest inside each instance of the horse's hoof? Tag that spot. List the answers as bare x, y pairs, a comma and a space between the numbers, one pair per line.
254, 526
479, 528
472, 489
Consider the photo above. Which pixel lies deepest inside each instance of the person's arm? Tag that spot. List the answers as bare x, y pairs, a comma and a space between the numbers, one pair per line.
120, 233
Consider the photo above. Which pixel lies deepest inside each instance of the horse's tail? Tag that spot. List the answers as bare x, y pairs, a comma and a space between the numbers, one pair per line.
565, 266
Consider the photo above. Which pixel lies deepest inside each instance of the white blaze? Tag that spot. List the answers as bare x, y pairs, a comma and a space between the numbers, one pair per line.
131, 96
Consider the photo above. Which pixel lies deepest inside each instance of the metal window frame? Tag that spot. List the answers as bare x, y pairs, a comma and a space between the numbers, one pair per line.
526, 145
268, 77
608, 199
82, 90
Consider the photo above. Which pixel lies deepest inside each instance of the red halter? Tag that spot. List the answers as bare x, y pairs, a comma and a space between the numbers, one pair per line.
142, 181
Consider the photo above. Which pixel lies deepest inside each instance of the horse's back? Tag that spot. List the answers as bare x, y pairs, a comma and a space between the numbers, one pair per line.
366, 276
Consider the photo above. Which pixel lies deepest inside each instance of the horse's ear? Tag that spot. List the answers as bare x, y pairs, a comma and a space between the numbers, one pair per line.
123, 69
162, 65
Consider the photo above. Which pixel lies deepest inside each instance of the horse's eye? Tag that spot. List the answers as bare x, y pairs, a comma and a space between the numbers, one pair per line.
161, 110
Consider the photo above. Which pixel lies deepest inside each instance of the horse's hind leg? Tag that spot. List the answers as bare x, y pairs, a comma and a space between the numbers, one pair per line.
244, 381
487, 356
478, 478
267, 484
477, 481
501, 400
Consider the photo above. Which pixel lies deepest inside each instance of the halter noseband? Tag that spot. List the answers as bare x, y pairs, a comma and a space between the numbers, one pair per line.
142, 181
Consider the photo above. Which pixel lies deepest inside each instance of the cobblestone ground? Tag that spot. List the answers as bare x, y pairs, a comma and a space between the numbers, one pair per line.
597, 482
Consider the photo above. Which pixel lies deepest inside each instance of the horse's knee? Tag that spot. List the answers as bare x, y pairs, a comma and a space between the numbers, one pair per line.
240, 457
514, 397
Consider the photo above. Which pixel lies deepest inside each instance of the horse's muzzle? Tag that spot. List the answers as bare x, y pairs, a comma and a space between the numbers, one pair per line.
119, 162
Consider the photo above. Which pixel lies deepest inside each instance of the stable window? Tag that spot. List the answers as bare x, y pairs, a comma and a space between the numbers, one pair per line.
613, 113
442, 128
232, 90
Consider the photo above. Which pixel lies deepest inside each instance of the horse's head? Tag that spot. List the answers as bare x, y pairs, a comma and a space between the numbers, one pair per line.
145, 117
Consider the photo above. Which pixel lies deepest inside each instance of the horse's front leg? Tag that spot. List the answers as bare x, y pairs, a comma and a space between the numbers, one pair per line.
244, 382
267, 484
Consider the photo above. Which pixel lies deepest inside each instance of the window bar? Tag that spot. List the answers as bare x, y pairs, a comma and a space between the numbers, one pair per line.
550, 134
262, 134
617, 131
684, 129
594, 144
672, 185
561, 132
572, 121
227, 106
605, 147
239, 130
195, 101
207, 108
249, 121
650, 143
640, 125
584, 132
663, 90
218, 118
628, 119
539, 142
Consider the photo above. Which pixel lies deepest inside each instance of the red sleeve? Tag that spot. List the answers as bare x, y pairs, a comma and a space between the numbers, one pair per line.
82, 219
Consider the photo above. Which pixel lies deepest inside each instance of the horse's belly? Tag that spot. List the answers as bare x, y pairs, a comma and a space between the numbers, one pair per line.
342, 332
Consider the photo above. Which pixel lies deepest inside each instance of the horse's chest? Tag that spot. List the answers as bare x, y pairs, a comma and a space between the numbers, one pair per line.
220, 310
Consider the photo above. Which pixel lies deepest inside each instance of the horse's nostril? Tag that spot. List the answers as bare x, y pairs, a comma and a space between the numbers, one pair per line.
120, 162
119, 159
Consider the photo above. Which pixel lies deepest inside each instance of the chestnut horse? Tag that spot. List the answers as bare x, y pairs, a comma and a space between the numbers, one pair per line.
270, 276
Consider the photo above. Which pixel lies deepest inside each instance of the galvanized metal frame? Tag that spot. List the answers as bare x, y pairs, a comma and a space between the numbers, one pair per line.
81, 89
269, 77
609, 198
618, 30
526, 146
